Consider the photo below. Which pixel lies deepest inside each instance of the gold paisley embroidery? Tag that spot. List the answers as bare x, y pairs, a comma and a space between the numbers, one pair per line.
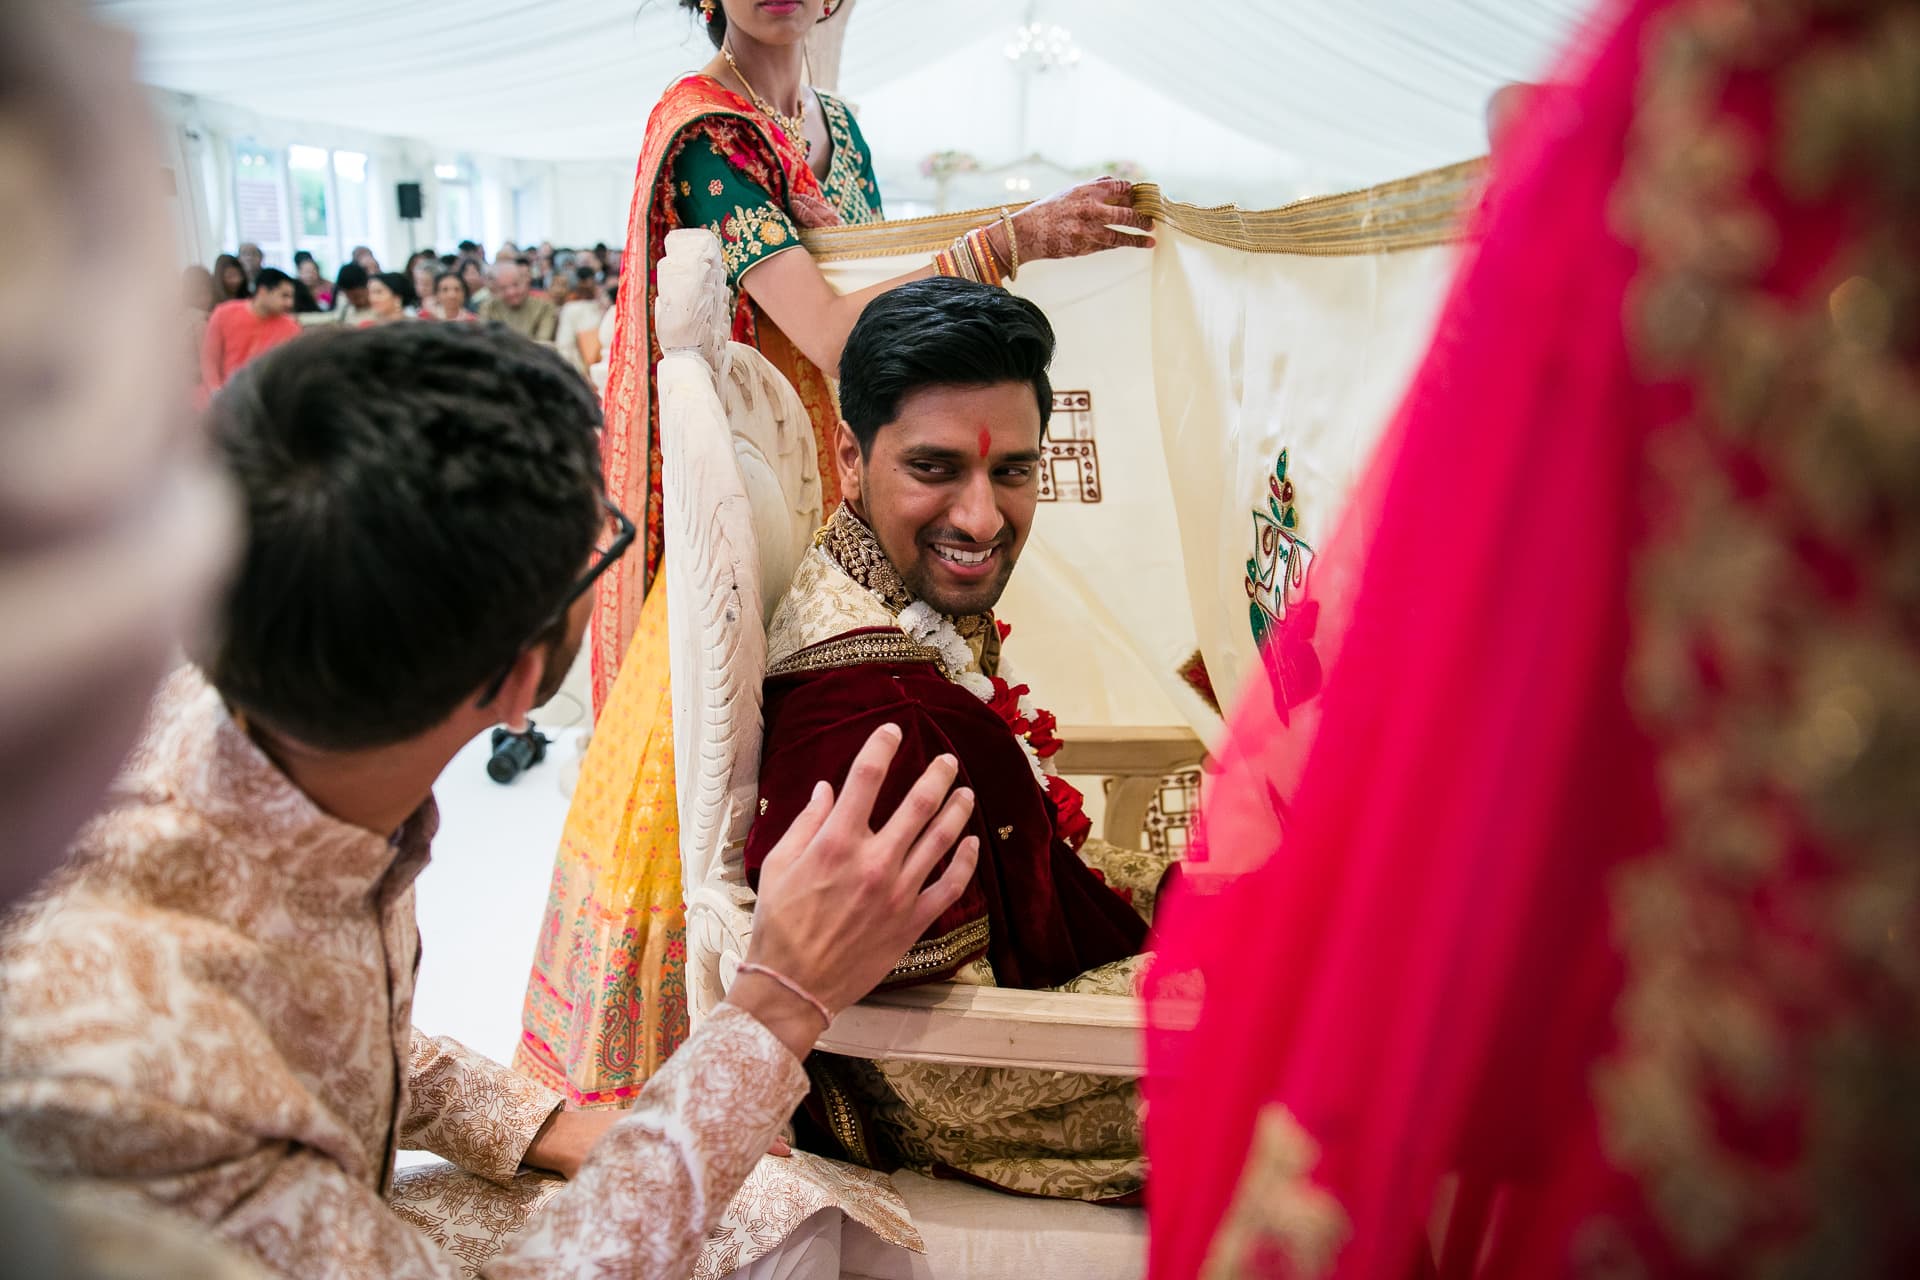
1786, 712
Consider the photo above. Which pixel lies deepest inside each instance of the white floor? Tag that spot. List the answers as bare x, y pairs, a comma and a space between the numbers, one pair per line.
481, 899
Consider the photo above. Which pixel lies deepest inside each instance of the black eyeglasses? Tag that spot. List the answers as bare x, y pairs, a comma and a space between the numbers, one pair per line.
623, 537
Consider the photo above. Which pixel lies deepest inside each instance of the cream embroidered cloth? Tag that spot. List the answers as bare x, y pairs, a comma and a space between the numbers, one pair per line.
1181, 376
211, 1006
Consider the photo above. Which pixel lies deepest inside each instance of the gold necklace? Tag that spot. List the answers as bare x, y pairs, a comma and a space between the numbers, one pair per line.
795, 126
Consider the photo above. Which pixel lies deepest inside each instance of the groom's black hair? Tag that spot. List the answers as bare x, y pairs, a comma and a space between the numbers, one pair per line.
940, 332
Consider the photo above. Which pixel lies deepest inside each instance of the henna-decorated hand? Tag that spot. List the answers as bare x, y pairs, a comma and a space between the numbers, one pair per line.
1076, 222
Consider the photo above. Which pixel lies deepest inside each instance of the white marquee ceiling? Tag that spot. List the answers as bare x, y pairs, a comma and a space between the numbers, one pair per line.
1246, 98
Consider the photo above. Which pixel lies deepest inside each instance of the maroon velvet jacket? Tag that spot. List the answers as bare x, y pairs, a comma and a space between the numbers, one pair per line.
1039, 914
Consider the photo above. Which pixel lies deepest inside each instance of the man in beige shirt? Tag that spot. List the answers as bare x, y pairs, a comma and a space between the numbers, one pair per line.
210, 1005
514, 305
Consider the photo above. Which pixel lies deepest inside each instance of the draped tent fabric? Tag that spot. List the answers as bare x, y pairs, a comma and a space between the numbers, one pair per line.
1345, 94
1183, 376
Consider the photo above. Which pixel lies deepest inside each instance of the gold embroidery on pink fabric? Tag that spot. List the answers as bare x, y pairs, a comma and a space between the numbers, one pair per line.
1787, 774
1277, 1214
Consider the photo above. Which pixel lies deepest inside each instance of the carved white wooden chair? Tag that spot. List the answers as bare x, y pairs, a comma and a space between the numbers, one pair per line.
742, 501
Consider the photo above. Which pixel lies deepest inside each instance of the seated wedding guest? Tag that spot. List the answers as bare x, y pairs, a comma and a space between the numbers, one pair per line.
251, 260
469, 251
512, 303
363, 258
595, 347
422, 268
580, 311
238, 331
945, 397
229, 279
306, 274
352, 306
210, 1008
448, 300
389, 294
474, 276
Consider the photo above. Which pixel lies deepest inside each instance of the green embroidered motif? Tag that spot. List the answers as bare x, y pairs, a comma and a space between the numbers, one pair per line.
746, 235
849, 184
1277, 569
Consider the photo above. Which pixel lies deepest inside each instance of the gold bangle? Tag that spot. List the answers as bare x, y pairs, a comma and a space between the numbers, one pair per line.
983, 255
1013, 244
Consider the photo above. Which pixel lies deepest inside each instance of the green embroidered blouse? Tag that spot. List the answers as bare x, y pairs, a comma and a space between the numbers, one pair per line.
751, 223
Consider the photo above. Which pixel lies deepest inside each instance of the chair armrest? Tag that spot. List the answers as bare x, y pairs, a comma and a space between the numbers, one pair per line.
994, 1027
1118, 751
1135, 758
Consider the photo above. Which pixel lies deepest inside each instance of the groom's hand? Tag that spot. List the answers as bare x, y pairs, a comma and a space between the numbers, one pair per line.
840, 903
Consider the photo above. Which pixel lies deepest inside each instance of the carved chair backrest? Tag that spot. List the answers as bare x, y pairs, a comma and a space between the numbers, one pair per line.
741, 500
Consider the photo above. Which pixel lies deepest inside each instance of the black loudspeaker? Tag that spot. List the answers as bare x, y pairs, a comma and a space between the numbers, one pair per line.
409, 193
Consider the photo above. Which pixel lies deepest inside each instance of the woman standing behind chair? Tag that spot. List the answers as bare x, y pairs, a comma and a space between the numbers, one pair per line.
746, 149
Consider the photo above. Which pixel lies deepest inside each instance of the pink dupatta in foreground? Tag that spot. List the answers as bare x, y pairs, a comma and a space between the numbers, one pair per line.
1589, 925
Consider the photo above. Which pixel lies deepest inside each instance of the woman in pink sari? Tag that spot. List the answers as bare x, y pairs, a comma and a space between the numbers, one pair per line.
1571, 928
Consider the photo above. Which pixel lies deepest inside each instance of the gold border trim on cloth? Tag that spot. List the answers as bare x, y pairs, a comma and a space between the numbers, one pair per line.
852, 651
1415, 212
843, 1116
941, 952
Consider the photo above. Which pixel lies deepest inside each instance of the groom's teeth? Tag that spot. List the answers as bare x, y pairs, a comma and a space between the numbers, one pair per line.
962, 557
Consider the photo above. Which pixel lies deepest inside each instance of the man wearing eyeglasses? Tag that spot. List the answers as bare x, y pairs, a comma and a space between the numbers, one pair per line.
210, 1008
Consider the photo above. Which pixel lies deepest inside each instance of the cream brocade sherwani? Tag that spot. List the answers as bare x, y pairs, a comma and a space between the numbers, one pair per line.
210, 1007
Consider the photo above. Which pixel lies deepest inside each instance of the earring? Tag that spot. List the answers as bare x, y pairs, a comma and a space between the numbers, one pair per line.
827, 9
706, 11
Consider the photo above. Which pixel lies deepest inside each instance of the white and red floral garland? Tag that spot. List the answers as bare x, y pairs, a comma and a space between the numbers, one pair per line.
1033, 727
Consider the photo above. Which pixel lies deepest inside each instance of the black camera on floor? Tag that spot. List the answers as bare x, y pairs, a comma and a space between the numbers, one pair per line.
515, 753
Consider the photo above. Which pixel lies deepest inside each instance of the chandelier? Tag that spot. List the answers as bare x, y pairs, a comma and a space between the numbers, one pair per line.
1043, 46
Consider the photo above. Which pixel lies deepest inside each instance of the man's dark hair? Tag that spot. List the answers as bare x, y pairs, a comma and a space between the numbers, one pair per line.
352, 276
419, 499
940, 332
270, 278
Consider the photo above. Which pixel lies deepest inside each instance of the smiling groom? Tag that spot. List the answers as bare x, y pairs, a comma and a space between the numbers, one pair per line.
945, 397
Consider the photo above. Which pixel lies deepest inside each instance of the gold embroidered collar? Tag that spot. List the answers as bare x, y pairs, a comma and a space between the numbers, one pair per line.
850, 543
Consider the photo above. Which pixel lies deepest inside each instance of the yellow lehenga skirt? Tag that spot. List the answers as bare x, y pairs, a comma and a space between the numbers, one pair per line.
607, 998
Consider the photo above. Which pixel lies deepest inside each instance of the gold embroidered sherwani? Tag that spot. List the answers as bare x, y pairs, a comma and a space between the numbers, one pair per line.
211, 1004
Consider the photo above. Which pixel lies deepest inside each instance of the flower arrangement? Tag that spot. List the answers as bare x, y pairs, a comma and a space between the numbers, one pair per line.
941, 165
1125, 170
